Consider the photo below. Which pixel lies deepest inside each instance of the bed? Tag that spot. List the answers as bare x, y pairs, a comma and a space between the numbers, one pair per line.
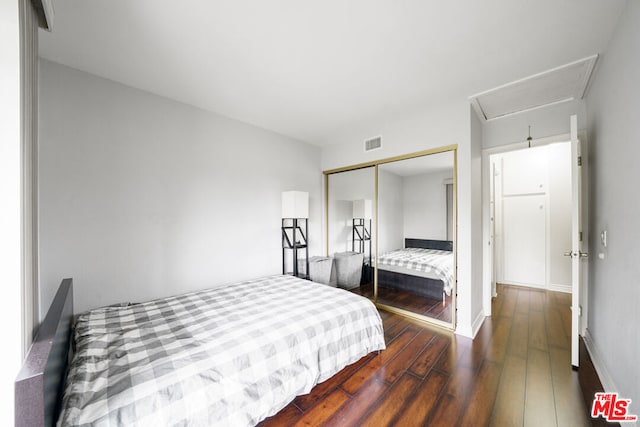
232, 355
423, 267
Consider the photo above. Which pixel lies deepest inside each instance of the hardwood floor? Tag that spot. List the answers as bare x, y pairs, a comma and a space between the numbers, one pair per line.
430, 307
516, 372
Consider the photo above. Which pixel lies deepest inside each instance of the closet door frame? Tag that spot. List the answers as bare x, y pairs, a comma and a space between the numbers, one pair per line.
375, 163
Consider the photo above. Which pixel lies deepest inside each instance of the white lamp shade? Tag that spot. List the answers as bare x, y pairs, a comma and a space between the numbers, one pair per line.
295, 204
362, 209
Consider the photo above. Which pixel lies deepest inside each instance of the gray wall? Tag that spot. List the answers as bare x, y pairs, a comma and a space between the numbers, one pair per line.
614, 287
390, 210
143, 197
344, 188
475, 189
442, 123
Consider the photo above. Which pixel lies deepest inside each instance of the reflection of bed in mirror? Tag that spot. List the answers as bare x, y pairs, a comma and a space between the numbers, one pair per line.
422, 267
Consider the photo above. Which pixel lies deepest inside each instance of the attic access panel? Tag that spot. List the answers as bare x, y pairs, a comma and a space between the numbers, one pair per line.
565, 83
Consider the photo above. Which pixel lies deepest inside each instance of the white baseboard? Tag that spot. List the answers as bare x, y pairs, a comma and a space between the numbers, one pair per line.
464, 330
560, 288
477, 323
524, 285
605, 378
596, 358
551, 287
470, 331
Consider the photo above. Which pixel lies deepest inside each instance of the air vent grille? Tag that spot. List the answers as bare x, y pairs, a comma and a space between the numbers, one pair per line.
373, 143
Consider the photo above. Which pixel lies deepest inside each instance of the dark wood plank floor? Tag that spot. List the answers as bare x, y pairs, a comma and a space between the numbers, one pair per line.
430, 307
516, 372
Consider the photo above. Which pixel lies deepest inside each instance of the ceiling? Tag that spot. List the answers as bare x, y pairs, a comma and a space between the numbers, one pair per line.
309, 69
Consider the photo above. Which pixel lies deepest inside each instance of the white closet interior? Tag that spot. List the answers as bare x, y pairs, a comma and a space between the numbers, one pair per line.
531, 195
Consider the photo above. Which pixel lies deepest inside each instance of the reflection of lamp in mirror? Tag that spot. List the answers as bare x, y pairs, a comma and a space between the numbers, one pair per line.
361, 231
295, 207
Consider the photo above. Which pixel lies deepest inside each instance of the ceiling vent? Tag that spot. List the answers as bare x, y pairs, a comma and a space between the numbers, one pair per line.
561, 84
373, 143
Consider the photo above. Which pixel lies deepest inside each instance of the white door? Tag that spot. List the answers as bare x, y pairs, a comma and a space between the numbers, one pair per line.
576, 244
524, 240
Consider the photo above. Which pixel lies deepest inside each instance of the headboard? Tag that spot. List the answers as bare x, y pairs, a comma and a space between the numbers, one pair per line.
38, 387
441, 245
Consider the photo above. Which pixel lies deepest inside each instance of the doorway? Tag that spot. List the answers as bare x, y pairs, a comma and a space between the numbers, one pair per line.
530, 207
579, 234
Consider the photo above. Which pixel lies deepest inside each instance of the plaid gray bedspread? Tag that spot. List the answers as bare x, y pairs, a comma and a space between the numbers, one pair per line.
227, 356
439, 263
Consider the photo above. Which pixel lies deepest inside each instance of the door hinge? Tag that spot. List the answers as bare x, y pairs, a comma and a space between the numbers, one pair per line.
580, 236
579, 160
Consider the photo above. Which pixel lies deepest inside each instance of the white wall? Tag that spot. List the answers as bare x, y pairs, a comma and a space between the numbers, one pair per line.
10, 248
424, 200
614, 287
144, 197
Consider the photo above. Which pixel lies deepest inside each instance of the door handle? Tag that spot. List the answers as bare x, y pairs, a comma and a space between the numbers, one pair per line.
571, 254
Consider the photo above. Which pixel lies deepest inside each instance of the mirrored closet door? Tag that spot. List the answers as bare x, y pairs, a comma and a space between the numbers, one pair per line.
350, 234
391, 229
416, 226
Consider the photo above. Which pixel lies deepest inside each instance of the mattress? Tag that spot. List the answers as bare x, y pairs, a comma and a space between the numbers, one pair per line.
430, 263
223, 356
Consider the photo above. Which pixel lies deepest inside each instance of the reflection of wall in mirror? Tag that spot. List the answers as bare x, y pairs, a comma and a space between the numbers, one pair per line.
425, 205
344, 188
390, 210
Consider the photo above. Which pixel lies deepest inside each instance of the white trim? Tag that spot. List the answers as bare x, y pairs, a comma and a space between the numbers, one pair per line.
465, 331
477, 323
605, 378
523, 285
44, 13
488, 251
486, 225
29, 170
470, 332
560, 288
527, 110
547, 225
596, 358
476, 106
590, 62
47, 6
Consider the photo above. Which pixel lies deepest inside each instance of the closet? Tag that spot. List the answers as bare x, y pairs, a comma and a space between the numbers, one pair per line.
531, 198
412, 231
